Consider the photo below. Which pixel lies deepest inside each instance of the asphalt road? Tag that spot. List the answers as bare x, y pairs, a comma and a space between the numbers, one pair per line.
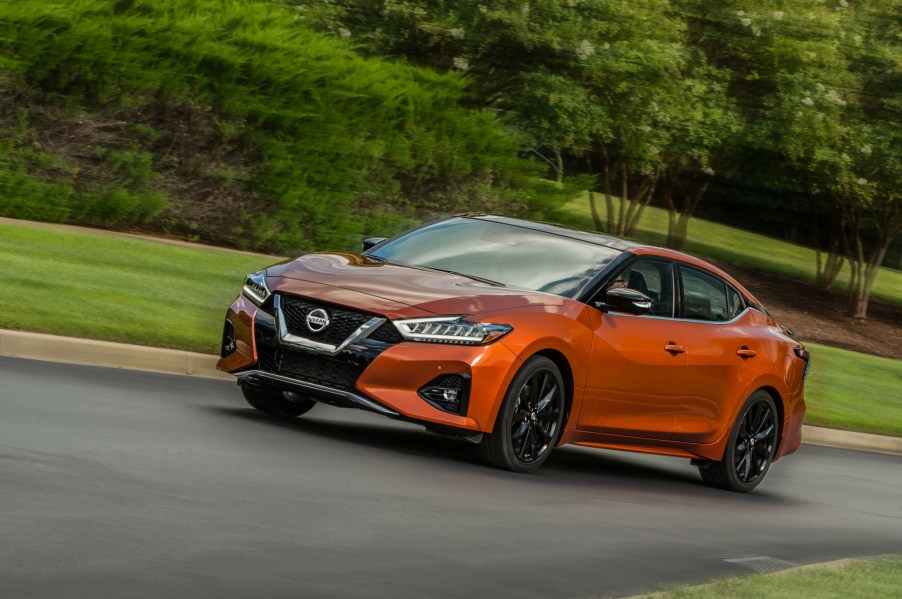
124, 484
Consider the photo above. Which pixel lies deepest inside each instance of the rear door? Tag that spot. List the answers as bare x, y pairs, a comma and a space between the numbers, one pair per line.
721, 349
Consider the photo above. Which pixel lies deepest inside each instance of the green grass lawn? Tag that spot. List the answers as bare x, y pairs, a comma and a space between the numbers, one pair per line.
87, 284
863, 579
83, 284
720, 242
853, 391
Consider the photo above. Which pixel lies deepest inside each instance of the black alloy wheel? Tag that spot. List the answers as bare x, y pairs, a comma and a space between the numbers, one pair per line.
751, 448
277, 403
529, 422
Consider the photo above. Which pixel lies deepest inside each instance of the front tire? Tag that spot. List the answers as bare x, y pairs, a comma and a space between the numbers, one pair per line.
750, 450
277, 403
530, 419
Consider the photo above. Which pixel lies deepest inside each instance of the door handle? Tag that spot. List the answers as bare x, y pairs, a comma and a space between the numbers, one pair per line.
744, 352
674, 348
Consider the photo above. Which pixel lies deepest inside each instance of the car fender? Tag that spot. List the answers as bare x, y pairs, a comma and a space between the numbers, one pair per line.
563, 329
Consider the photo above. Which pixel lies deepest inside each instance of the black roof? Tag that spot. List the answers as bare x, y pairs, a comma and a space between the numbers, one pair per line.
595, 238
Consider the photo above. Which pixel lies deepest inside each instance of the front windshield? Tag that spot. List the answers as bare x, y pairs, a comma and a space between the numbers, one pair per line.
511, 255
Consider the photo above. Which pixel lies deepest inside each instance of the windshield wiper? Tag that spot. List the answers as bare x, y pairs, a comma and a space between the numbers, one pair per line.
445, 270
469, 276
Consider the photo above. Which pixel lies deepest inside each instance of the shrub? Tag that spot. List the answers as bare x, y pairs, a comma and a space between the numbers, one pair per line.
314, 140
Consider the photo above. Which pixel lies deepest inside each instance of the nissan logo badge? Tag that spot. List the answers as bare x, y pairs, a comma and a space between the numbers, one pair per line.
317, 320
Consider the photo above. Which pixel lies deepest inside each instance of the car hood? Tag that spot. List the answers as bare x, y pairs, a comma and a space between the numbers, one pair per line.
355, 280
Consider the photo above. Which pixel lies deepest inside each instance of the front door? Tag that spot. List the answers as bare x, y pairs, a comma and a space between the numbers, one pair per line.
637, 370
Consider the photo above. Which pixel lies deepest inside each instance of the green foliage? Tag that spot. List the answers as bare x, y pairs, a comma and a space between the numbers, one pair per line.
818, 85
735, 246
326, 138
615, 86
38, 185
570, 76
860, 579
118, 288
657, 98
851, 391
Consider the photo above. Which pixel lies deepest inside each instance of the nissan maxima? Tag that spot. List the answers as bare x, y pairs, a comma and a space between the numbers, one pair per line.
523, 336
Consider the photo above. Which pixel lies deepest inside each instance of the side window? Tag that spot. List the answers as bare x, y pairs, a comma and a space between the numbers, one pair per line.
736, 302
704, 296
654, 278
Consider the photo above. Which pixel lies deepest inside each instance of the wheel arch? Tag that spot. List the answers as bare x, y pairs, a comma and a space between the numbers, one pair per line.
781, 412
563, 364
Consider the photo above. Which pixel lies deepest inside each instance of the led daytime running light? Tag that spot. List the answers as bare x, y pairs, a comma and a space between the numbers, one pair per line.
450, 329
255, 287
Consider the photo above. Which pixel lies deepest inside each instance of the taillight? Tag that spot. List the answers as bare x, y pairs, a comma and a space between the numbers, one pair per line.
803, 354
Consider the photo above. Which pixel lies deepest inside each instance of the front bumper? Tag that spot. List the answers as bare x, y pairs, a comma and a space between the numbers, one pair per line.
381, 377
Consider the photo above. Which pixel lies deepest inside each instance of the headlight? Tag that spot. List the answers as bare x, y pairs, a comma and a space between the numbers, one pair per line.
450, 329
255, 287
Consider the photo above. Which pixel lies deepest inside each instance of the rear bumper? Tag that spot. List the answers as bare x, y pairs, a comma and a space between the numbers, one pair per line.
792, 434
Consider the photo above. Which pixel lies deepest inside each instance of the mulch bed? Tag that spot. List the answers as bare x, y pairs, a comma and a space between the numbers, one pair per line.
821, 316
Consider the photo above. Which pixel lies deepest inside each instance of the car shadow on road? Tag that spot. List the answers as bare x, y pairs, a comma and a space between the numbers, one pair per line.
569, 465
404, 438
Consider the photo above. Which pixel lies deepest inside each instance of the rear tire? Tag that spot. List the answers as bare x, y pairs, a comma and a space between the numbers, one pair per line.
750, 450
277, 403
530, 419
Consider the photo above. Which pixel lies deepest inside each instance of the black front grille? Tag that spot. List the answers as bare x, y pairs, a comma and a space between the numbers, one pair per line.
343, 321
335, 372
387, 333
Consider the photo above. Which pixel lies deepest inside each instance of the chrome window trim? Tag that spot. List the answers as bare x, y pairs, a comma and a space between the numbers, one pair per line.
672, 318
287, 339
620, 265
738, 317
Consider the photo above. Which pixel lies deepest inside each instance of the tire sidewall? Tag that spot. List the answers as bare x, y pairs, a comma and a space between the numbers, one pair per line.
502, 429
728, 458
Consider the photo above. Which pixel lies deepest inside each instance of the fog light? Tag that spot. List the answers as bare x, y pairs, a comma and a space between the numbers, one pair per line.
449, 393
228, 339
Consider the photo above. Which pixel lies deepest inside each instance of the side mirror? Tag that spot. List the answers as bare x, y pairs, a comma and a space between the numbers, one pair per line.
372, 242
624, 299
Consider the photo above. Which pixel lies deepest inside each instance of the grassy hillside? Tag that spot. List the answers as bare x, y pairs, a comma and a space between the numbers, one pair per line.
228, 121
89, 284
720, 242
853, 391
130, 290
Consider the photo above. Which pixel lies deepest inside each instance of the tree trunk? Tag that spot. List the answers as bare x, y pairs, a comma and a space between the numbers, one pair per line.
624, 194
829, 260
596, 218
679, 217
667, 195
676, 234
557, 164
855, 254
642, 200
609, 201
866, 273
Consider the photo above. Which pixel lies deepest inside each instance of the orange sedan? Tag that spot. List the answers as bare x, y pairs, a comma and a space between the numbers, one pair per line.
523, 336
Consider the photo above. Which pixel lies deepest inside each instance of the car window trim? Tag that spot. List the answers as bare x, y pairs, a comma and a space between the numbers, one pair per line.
617, 266
726, 285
